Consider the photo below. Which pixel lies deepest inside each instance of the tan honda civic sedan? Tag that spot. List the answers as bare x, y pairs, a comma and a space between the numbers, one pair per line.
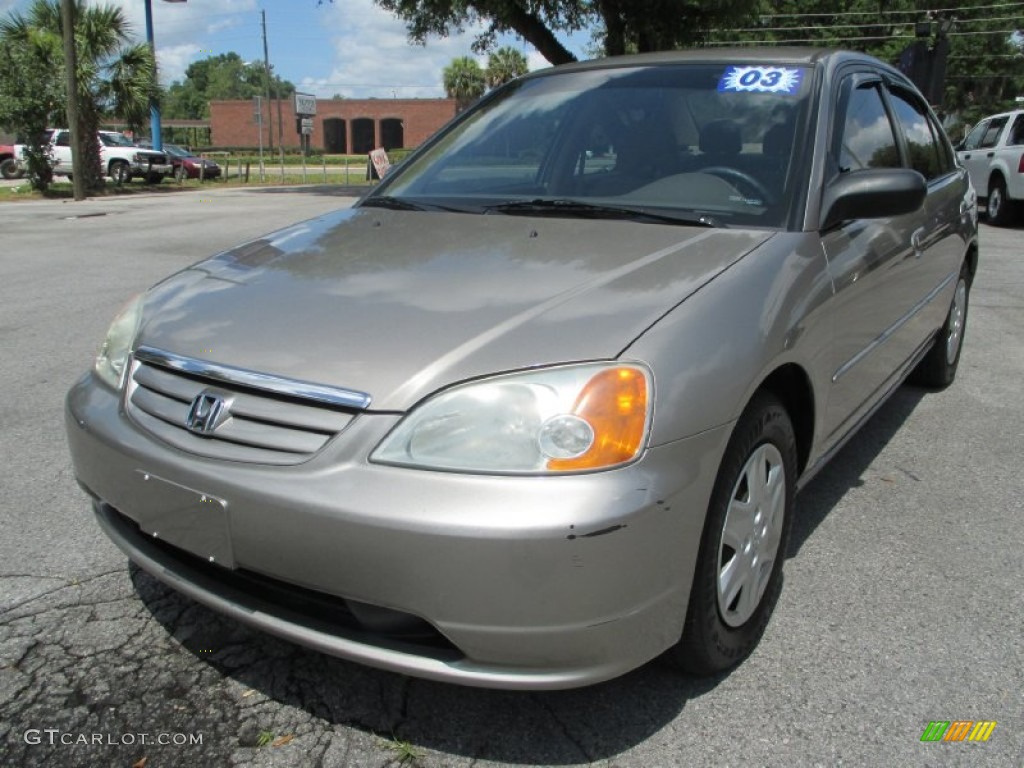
534, 411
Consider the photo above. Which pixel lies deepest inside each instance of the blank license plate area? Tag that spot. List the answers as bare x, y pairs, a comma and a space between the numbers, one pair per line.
192, 520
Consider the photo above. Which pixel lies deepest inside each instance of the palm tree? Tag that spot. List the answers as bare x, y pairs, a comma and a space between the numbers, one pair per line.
116, 75
464, 81
505, 64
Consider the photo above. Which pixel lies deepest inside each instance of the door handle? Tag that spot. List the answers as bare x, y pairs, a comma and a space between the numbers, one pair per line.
990, 154
915, 241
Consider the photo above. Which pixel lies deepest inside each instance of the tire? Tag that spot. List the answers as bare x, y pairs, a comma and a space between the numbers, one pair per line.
120, 172
179, 174
9, 168
739, 569
938, 368
999, 208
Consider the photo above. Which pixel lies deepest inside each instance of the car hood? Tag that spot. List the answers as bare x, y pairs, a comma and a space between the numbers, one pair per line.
398, 304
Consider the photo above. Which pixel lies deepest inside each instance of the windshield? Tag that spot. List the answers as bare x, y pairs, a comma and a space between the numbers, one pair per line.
115, 140
709, 142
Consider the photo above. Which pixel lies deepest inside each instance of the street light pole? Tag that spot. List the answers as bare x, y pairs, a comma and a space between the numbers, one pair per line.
155, 129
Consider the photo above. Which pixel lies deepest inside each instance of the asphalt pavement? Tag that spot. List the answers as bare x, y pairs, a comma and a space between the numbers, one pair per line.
902, 601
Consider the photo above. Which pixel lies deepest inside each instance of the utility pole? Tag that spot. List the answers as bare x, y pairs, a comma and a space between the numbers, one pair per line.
270, 116
67, 9
266, 67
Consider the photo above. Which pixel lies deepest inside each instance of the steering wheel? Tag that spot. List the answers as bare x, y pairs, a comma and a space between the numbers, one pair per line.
729, 174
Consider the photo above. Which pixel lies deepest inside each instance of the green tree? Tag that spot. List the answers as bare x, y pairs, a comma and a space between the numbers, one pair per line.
28, 98
622, 25
464, 81
222, 77
985, 65
116, 75
505, 64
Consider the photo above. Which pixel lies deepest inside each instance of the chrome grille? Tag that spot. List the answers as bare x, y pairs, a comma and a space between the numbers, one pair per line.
268, 420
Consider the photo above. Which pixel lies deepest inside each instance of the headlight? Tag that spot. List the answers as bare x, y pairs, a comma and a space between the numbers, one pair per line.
113, 355
567, 419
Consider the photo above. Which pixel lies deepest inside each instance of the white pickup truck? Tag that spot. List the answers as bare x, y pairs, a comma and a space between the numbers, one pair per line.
122, 160
993, 154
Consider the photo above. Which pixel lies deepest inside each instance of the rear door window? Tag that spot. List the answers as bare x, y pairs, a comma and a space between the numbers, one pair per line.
1016, 137
926, 150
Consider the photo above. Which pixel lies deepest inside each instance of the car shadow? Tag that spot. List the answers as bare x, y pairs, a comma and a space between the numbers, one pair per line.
521, 727
548, 728
846, 469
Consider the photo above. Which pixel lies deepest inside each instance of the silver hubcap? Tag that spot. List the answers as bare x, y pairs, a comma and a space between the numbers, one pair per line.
995, 201
751, 535
956, 321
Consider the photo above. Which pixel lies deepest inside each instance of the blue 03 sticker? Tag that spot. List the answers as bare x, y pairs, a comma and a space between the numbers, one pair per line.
761, 79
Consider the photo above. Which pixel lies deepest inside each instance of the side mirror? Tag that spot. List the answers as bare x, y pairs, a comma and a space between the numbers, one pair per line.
872, 194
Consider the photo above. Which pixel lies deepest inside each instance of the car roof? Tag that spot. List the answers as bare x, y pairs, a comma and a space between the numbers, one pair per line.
1010, 113
746, 55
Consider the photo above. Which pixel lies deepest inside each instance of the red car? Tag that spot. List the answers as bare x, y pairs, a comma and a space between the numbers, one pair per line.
187, 165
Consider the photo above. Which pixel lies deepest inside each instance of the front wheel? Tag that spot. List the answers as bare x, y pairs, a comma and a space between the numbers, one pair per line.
120, 172
938, 368
739, 569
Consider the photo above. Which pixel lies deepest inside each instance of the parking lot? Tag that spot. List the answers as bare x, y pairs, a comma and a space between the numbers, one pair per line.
902, 603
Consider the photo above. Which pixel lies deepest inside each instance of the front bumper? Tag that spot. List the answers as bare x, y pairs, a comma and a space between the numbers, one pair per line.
144, 169
534, 582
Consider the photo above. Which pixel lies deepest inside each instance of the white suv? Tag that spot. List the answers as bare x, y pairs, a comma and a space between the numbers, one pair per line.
993, 154
121, 159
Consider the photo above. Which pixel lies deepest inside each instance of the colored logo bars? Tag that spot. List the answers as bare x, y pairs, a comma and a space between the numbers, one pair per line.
958, 730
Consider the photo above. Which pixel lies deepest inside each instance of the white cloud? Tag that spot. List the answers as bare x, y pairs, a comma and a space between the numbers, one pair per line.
172, 61
372, 56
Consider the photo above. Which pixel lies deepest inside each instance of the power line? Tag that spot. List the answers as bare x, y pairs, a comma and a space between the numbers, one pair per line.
818, 26
848, 39
917, 12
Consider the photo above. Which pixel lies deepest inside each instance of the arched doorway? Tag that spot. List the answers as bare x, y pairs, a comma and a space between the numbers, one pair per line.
392, 133
335, 140
362, 135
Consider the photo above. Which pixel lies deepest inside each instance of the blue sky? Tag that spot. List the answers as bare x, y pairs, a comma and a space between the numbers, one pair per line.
348, 47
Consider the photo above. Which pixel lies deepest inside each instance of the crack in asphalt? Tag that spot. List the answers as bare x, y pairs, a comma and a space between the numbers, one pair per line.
42, 595
564, 728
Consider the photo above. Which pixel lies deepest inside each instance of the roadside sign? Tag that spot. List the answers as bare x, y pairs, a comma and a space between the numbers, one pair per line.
380, 162
305, 104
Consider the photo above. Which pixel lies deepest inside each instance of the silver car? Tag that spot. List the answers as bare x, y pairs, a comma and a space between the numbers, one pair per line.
535, 410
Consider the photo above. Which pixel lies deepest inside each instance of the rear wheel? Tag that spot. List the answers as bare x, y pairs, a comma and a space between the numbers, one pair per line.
9, 168
938, 368
179, 173
999, 208
739, 568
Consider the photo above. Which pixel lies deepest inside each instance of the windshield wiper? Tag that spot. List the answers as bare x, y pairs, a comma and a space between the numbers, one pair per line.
394, 203
568, 207
405, 204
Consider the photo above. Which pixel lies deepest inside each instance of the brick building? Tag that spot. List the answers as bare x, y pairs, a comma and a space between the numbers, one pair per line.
340, 126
